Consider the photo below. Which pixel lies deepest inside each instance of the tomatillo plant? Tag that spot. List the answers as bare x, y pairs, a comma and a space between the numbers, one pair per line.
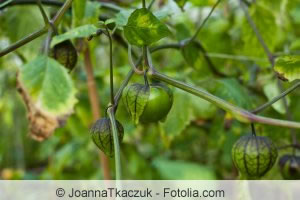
49, 93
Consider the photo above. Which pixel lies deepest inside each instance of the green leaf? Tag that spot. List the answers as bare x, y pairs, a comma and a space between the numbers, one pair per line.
265, 22
186, 107
295, 46
181, 170
288, 67
179, 117
122, 18
181, 3
271, 90
143, 28
49, 86
232, 91
79, 32
191, 54
135, 98
78, 9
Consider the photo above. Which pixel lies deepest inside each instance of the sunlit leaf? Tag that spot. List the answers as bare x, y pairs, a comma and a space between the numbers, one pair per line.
49, 85
271, 90
288, 67
143, 28
266, 25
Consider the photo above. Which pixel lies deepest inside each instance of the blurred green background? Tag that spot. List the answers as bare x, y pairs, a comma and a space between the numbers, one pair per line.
195, 140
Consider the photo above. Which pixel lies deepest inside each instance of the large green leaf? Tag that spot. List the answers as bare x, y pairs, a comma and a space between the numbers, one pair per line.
186, 107
266, 25
288, 67
143, 28
232, 91
79, 32
180, 170
49, 86
179, 117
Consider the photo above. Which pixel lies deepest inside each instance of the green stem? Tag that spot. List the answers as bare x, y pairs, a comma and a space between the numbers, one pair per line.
144, 3
257, 33
275, 99
240, 114
44, 15
56, 20
151, 4
24, 41
111, 75
111, 116
204, 22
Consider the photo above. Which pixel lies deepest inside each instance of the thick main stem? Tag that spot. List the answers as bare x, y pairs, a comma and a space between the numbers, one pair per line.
118, 170
95, 106
239, 113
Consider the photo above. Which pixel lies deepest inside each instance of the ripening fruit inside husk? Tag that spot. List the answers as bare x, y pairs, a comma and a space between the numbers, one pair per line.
65, 53
102, 135
290, 167
148, 103
254, 155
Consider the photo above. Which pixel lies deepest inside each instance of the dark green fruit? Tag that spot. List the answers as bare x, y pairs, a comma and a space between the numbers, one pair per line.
290, 167
159, 103
102, 135
148, 103
254, 156
65, 53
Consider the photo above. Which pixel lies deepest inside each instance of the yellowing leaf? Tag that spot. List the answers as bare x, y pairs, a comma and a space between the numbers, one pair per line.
288, 67
143, 28
48, 93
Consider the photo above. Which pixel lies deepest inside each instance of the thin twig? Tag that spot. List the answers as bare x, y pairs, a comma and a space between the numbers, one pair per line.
44, 15
135, 69
111, 74
204, 22
258, 35
55, 21
275, 99
151, 4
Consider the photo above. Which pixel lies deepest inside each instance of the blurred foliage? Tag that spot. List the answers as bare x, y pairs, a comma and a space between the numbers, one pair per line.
195, 140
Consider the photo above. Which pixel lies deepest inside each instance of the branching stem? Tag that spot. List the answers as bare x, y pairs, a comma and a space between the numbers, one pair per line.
56, 20
239, 113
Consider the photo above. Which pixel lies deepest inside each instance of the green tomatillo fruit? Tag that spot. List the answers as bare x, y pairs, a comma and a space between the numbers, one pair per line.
148, 103
102, 136
254, 156
290, 167
65, 53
